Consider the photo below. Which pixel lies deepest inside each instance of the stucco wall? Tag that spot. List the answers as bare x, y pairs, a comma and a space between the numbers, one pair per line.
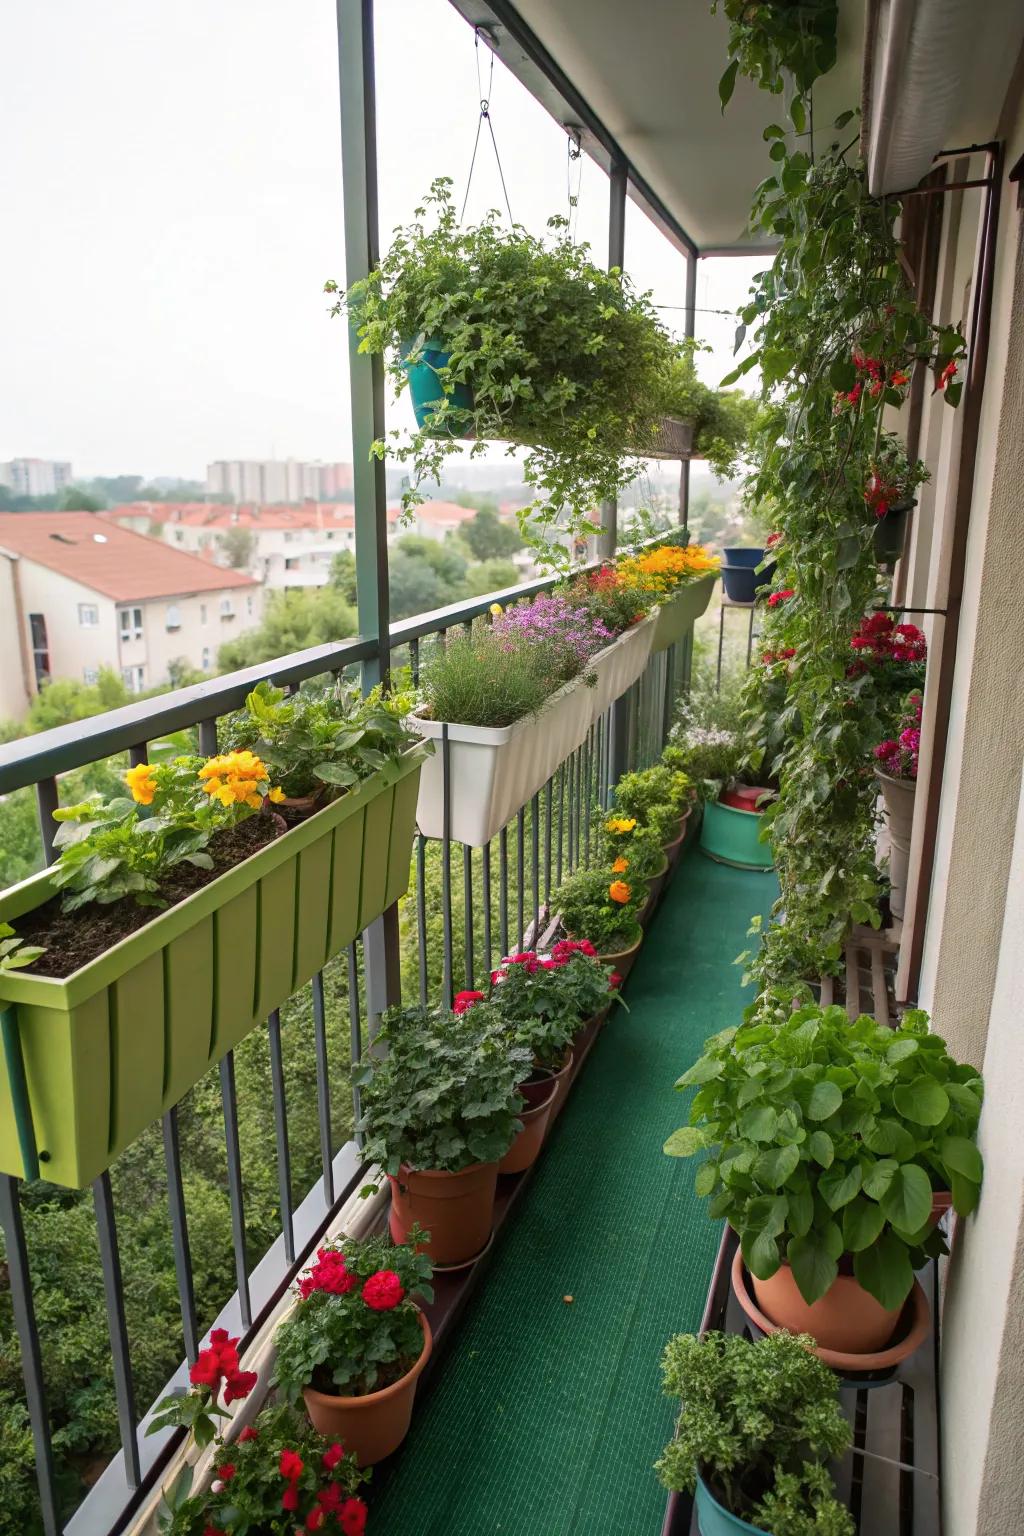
13, 681
73, 647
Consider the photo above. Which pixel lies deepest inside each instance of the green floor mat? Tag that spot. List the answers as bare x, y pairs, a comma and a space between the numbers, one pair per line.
545, 1417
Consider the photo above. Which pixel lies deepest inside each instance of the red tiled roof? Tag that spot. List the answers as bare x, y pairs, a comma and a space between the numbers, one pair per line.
219, 516
444, 512
110, 559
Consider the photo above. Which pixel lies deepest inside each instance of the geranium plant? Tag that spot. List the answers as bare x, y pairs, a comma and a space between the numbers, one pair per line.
444, 1096
602, 906
216, 1380
758, 1423
556, 354
823, 1138
898, 758
355, 1327
544, 999
279, 1477
892, 477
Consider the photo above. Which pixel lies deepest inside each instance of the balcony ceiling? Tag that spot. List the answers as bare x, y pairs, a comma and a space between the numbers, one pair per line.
649, 71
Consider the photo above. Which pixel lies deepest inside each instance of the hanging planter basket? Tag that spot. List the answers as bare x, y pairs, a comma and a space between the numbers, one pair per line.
92, 1059
674, 440
678, 614
493, 771
740, 577
425, 388
889, 533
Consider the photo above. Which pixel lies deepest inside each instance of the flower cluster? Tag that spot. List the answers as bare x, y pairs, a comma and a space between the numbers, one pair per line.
899, 758
142, 783
572, 632
329, 1273
543, 999
383, 1290
237, 778
778, 598
216, 1367
218, 1364
664, 570
330, 1500
785, 654
875, 375
879, 638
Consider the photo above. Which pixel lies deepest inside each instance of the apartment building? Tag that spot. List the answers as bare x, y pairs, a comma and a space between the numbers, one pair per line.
277, 480
87, 593
35, 477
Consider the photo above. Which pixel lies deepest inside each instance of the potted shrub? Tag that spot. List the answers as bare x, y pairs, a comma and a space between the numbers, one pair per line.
889, 495
500, 335
758, 1424
604, 907
681, 578
717, 422
355, 1342
515, 701
634, 852
660, 798
896, 769
827, 1144
439, 1111
712, 756
190, 908
278, 1477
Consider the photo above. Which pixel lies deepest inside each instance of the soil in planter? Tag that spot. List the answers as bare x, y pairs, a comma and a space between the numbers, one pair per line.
72, 939
387, 1375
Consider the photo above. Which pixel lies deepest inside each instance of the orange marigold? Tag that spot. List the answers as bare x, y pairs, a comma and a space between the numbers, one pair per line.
619, 891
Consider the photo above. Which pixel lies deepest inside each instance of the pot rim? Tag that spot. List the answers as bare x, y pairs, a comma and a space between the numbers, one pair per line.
888, 778
744, 1525
843, 1360
531, 1112
383, 1393
440, 1173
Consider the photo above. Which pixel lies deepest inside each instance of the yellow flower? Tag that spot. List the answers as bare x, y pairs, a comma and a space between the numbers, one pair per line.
619, 891
620, 824
620, 866
235, 778
141, 783
277, 794
496, 609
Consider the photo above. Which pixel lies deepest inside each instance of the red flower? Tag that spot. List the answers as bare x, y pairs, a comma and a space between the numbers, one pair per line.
290, 1497
614, 981
239, 1385
291, 1465
352, 1517
315, 1519
781, 597
329, 1498
332, 1456
248, 1433
226, 1472
383, 1290
212, 1530
948, 373
328, 1274
772, 539
219, 1359
206, 1371
465, 1000
899, 378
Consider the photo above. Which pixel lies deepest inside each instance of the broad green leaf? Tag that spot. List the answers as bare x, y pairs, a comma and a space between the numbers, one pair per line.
965, 1194
878, 1178
814, 1270
862, 1222
801, 1210
907, 1202
774, 1168
900, 1050
889, 1137
703, 1070
961, 1156
760, 1123
821, 1148
760, 1253
685, 1142
825, 1099
884, 1270
705, 1179
922, 1100
727, 84
839, 1184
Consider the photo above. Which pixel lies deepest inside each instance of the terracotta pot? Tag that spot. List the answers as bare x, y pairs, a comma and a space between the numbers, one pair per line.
525, 1150
535, 1088
942, 1201
583, 1040
847, 1318
674, 846
299, 805
374, 1425
457, 1209
622, 959
898, 795
907, 1332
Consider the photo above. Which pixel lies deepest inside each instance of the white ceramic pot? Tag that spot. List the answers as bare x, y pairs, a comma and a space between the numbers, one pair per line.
496, 770
619, 665
898, 795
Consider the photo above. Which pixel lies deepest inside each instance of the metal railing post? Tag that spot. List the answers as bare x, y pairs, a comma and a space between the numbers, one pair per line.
617, 184
689, 327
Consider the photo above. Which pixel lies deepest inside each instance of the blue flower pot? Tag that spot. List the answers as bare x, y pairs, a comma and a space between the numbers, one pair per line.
740, 576
426, 391
715, 1520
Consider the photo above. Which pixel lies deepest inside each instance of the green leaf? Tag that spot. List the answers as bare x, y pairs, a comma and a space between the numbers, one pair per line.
922, 1100
801, 1210
760, 1253
961, 1156
814, 1270
759, 1123
727, 84
907, 1202
704, 1069
838, 1186
797, 113
821, 1148
966, 1194
862, 1222
705, 1179
774, 1168
824, 1100
884, 1270
336, 773
878, 1178
900, 1050
685, 1142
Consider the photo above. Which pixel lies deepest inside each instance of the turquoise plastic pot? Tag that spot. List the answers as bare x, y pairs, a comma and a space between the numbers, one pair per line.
733, 837
426, 391
715, 1520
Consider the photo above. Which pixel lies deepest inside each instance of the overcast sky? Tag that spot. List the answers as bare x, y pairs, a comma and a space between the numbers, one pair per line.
171, 183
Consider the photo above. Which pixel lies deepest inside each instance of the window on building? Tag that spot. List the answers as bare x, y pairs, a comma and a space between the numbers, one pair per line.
206, 658
131, 623
40, 647
287, 537
172, 618
248, 603
179, 535
227, 608
202, 613
90, 675
88, 615
134, 678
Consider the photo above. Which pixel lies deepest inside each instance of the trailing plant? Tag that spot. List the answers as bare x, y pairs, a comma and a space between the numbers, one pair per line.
444, 1097
544, 999
778, 46
557, 355
892, 476
822, 1138
722, 418
759, 1420
355, 1326
600, 905
656, 797
323, 741
280, 1476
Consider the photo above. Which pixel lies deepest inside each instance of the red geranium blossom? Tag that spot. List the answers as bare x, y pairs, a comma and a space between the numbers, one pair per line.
328, 1274
948, 373
383, 1290
781, 597
333, 1455
291, 1465
352, 1517
248, 1433
465, 1000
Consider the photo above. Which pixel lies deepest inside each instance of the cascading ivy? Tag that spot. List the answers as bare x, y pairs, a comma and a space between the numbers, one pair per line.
837, 336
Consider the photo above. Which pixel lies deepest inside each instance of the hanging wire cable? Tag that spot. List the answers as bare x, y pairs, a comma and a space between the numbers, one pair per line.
575, 155
485, 117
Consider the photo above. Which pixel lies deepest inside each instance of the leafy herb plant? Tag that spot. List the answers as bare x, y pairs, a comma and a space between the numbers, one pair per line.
602, 906
758, 1422
656, 797
823, 1138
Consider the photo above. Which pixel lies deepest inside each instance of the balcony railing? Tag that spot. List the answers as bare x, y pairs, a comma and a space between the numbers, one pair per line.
465, 908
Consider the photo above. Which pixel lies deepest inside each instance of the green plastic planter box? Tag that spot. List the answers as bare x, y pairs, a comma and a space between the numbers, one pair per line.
680, 613
733, 837
109, 1048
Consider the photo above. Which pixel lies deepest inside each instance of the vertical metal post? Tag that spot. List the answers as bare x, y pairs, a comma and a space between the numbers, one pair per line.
366, 374
113, 1288
323, 1086
20, 1283
284, 1160
47, 801
179, 1234
235, 1193
689, 327
617, 184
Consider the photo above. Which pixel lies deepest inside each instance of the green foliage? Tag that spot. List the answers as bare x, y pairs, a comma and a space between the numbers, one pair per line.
758, 1422
722, 418
588, 911
490, 576
824, 1137
333, 1341
657, 797
559, 355
778, 45
489, 538
251, 1497
239, 545
444, 1097
320, 741
14, 955
544, 1001
292, 621
622, 838
479, 679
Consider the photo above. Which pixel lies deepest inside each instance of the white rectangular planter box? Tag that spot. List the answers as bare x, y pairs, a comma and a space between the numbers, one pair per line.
496, 770
619, 665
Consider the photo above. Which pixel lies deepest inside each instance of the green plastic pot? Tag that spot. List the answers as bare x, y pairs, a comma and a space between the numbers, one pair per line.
681, 611
715, 1520
733, 837
425, 389
109, 1048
